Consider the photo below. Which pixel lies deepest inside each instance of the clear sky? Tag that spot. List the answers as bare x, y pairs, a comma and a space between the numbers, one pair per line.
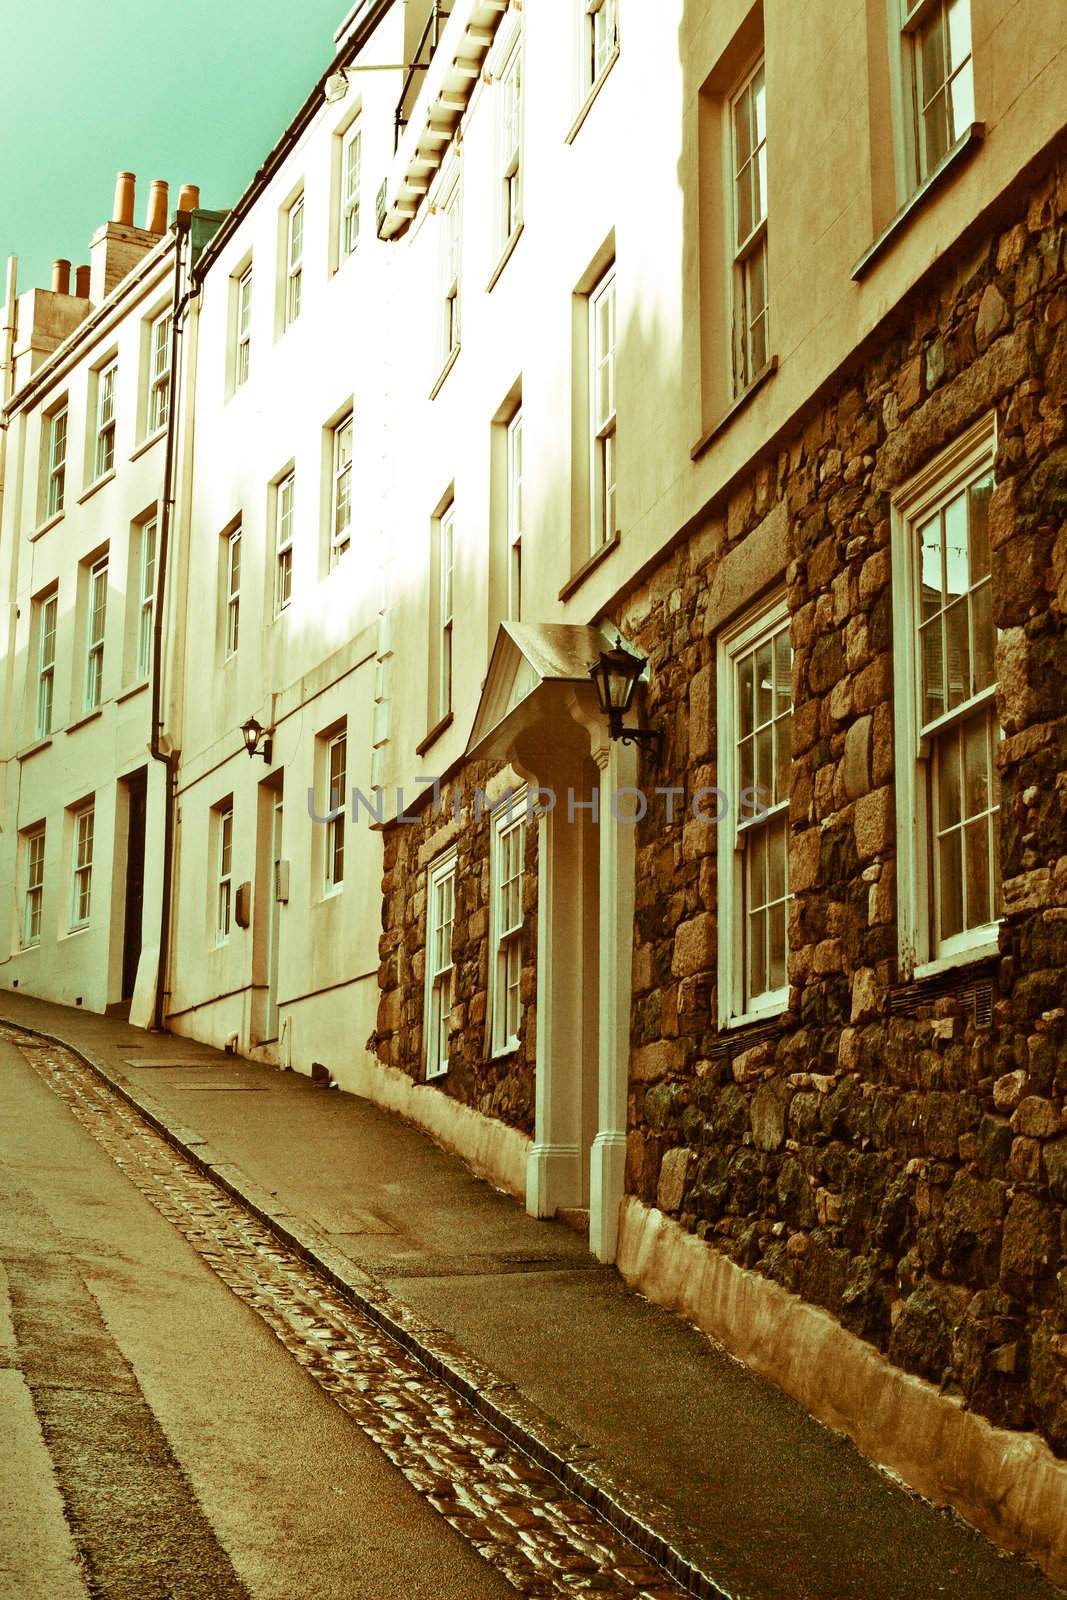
194, 91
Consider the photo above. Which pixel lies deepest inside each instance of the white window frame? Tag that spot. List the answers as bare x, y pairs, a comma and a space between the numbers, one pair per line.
335, 766
146, 594
232, 593
914, 18
104, 445
243, 322
223, 816
748, 250
82, 846
351, 181
341, 489
600, 41
511, 139
737, 830
603, 455
33, 893
159, 347
284, 496
507, 848
294, 259
966, 461
56, 481
95, 632
515, 514
446, 566
47, 623
451, 262
440, 970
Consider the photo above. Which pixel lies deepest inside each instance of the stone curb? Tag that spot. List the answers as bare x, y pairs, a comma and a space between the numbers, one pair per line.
650, 1527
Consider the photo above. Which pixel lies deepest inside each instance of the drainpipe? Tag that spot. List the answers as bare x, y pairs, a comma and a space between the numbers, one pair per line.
168, 758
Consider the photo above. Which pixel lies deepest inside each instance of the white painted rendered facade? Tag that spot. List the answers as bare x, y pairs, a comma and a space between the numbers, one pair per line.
80, 525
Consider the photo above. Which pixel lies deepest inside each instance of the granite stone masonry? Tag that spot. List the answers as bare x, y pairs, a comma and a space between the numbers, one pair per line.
895, 1152
499, 1086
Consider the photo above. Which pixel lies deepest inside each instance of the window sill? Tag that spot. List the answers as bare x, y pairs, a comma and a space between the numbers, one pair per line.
333, 893
963, 147
587, 103
90, 716
505, 256
445, 370
79, 927
135, 688
434, 734
754, 1019
731, 412
35, 748
504, 1050
146, 444
435, 1077
93, 487
959, 958
576, 579
51, 522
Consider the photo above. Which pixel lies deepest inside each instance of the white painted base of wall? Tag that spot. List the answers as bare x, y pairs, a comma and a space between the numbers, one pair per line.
1010, 1485
491, 1149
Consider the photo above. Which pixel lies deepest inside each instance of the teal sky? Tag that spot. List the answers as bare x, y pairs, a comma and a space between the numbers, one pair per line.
195, 91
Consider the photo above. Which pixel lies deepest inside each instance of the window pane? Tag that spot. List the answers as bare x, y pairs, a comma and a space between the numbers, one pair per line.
948, 781
959, 32
746, 693
984, 635
976, 766
765, 765
764, 684
958, 653
777, 839
932, 47
977, 854
776, 932
757, 868
935, 126
951, 884
978, 528
956, 563
746, 764
757, 955
933, 688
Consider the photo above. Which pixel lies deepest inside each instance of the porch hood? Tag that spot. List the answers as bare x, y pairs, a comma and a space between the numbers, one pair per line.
538, 671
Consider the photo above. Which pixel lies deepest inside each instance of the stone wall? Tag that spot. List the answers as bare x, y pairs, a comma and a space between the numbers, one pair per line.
501, 1087
887, 1151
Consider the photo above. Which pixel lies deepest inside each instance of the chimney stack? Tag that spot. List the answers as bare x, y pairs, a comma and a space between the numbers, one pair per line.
189, 197
156, 218
124, 196
60, 277
81, 282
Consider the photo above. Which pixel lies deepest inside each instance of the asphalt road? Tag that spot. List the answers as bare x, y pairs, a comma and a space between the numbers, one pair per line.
155, 1438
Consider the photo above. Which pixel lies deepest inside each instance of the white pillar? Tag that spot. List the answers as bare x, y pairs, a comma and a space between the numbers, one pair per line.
554, 1165
618, 769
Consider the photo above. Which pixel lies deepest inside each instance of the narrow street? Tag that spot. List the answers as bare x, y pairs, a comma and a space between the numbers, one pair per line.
159, 1440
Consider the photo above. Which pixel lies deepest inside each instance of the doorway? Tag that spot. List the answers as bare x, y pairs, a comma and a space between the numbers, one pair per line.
136, 786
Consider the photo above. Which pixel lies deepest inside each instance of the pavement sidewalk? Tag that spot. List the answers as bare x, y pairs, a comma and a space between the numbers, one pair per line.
687, 1450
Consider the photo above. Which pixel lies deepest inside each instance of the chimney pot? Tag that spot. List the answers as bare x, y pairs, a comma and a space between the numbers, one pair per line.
156, 218
81, 282
124, 197
188, 197
60, 277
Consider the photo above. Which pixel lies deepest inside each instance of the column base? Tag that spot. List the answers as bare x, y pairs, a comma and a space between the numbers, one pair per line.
553, 1179
607, 1177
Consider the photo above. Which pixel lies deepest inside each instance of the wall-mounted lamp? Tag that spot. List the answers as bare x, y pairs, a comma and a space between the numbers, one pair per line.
259, 741
615, 678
